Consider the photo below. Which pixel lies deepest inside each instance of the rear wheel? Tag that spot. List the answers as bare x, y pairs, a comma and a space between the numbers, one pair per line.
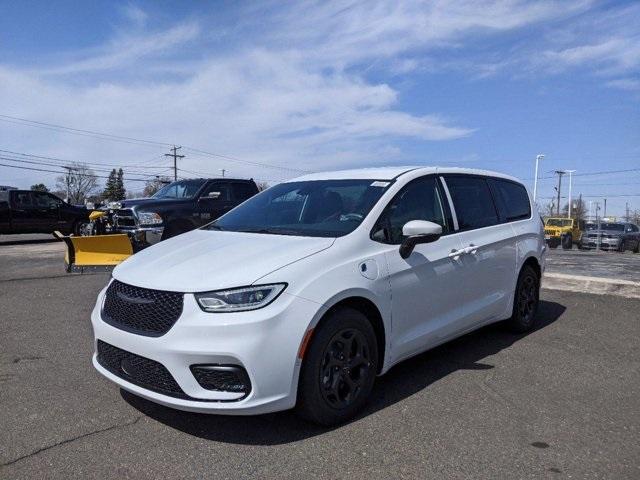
339, 368
525, 303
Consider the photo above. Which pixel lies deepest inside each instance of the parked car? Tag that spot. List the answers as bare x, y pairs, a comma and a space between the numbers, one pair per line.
562, 231
177, 208
27, 211
617, 236
306, 292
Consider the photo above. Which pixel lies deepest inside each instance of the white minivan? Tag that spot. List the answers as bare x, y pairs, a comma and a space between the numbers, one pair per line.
303, 294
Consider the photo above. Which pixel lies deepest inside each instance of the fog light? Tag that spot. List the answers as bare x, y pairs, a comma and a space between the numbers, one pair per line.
222, 378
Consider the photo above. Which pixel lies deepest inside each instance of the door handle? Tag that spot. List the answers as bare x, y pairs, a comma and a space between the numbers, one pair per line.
457, 253
472, 249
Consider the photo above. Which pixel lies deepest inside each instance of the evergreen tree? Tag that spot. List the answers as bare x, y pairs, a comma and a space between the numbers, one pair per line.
110, 187
39, 187
120, 191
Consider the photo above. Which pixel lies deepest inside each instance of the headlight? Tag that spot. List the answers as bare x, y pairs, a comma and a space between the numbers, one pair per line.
149, 218
239, 299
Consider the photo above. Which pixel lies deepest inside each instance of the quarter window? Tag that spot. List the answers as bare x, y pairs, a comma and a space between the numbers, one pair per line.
512, 199
472, 201
419, 200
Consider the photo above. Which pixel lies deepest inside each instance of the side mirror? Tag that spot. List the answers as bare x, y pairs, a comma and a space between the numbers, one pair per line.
416, 232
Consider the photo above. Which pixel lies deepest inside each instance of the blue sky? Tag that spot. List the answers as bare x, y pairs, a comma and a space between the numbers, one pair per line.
326, 85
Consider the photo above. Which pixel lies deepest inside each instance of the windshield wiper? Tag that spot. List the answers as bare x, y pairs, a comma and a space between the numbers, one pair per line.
271, 231
215, 227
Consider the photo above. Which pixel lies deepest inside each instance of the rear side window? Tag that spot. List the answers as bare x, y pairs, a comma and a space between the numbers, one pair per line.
472, 201
22, 199
224, 189
243, 191
512, 200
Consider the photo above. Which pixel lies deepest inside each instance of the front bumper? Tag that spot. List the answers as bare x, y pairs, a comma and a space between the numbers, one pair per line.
143, 236
265, 342
606, 243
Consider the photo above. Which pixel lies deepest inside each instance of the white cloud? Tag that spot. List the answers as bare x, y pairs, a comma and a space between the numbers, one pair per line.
631, 84
134, 14
287, 85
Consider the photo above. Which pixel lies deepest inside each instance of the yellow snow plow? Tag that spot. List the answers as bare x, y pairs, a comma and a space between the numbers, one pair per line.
95, 252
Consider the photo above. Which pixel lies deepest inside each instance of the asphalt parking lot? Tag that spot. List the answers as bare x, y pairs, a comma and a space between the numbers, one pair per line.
560, 402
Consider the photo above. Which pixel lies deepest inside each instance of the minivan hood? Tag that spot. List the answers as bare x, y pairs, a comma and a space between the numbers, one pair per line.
203, 260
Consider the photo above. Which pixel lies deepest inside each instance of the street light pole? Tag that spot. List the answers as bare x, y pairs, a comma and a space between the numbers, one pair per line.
570, 172
535, 180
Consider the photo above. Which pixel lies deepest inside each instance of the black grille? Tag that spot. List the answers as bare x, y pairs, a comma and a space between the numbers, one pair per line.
140, 310
139, 370
222, 378
124, 218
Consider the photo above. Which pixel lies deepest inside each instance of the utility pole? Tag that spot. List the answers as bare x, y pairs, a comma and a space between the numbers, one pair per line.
535, 180
69, 182
605, 208
627, 211
174, 154
559, 173
570, 172
222, 170
598, 233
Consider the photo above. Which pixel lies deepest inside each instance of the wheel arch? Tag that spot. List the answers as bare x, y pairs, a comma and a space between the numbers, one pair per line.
534, 263
370, 310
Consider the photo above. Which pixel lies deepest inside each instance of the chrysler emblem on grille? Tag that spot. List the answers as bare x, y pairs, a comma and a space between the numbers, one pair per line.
138, 300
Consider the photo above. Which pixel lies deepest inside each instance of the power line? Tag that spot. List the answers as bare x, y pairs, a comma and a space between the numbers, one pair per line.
133, 140
57, 159
81, 131
246, 162
32, 162
61, 172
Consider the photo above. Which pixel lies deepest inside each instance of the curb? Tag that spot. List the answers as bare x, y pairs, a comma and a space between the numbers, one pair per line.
593, 285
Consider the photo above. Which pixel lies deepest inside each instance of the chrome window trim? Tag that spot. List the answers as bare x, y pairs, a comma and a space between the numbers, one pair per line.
451, 206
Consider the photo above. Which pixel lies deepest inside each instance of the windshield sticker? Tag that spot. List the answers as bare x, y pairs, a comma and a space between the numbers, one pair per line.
380, 184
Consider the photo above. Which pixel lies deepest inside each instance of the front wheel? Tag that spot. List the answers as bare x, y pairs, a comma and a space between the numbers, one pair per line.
567, 242
339, 368
525, 303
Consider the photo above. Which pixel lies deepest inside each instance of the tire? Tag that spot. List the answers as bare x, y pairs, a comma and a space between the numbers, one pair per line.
525, 302
567, 242
174, 229
77, 228
637, 249
339, 368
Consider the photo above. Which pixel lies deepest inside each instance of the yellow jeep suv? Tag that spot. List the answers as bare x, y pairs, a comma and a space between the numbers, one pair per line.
561, 231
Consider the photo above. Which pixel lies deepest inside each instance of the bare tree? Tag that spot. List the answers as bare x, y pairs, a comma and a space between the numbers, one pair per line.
578, 209
79, 182
152, 186
548, 210
262, 186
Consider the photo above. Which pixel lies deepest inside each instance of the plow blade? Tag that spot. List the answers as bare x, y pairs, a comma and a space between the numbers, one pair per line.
99, 252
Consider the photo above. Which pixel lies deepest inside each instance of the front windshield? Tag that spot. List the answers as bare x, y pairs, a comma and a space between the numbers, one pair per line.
612, 226
322, 208
559, 222
181, 189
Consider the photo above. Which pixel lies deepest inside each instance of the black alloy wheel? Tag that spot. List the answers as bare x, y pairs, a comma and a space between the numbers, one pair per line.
345, 368
525, 303
338, 369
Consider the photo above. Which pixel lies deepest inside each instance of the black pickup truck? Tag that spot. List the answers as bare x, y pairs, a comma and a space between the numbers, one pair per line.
26, 211
178, 207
